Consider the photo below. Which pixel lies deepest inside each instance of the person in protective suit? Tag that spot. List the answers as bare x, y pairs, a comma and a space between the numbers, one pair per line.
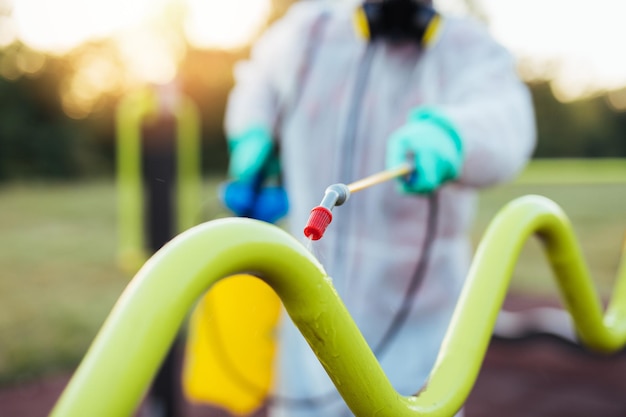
342, 104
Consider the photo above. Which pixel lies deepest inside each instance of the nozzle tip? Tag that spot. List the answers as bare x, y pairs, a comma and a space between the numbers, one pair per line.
319, 219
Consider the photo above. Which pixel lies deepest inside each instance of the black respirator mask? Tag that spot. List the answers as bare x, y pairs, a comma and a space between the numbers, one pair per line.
397, 21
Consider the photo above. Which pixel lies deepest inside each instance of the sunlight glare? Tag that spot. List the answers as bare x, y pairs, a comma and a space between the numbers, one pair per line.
29, 61
150, 56
225, 24
59, 26
7, 31
617, 99
578, 42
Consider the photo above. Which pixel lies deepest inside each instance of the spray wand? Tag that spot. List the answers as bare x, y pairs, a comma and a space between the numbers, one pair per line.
337, 194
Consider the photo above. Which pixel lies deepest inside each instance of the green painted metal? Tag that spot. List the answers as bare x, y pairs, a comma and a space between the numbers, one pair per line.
189, 172
131, 112
137, 334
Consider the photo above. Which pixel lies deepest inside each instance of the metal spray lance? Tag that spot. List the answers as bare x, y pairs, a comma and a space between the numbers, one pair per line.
337, 194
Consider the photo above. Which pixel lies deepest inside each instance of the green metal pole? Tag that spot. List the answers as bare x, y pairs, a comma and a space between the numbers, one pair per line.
469, 333
135, 337
130, 112
188, 169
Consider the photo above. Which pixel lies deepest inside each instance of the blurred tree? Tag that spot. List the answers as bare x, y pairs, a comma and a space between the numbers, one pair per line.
207, 77
583, 128
36, 139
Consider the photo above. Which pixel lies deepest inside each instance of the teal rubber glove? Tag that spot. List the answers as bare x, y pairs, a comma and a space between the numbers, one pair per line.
249, 153
431, 143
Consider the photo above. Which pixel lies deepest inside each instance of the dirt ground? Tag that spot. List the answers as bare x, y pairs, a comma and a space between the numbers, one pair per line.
537, 376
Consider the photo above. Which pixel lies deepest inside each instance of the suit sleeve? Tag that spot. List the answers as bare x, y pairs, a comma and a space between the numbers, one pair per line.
489, 104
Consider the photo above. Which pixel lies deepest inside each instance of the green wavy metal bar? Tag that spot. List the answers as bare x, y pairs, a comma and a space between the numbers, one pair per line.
137, 334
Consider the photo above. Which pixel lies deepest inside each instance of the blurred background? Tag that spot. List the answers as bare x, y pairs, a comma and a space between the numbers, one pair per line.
66, 64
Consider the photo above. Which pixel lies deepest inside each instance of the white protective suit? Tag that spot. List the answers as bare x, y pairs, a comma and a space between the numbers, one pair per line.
333, 106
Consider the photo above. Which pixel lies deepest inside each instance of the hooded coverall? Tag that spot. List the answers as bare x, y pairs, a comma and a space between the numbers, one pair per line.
332, 99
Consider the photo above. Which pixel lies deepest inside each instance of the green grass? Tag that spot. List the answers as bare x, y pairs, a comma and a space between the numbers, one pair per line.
592, 193
575, 171
59, 278
598, 216
57, 273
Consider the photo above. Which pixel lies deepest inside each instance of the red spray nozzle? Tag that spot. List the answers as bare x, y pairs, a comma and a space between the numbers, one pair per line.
337, 194
319, 219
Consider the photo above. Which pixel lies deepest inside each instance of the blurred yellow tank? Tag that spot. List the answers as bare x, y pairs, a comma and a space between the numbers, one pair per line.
231, 345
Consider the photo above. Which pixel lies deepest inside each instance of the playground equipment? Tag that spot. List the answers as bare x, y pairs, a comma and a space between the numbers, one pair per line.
231, 338
137, 334
133, 205
158, 180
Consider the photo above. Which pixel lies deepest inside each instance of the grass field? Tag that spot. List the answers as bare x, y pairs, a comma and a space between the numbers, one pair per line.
59, 278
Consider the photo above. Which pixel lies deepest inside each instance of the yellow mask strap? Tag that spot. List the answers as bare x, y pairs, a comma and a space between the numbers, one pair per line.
432, 30
360, 23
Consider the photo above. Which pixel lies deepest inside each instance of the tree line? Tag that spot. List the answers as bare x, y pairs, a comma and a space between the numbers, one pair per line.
38, 141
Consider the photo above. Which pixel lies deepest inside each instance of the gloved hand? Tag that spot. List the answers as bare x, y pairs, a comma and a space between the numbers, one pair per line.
268, 204
432, 144
254, 166
249, 153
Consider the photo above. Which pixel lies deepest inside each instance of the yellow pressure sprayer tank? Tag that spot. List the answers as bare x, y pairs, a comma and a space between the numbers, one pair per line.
231, 345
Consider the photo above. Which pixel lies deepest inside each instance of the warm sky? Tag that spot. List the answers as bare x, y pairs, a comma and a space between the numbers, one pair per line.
59, 25
582, 40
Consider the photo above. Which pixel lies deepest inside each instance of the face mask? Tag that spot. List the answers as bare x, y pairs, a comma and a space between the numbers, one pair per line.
397, 21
